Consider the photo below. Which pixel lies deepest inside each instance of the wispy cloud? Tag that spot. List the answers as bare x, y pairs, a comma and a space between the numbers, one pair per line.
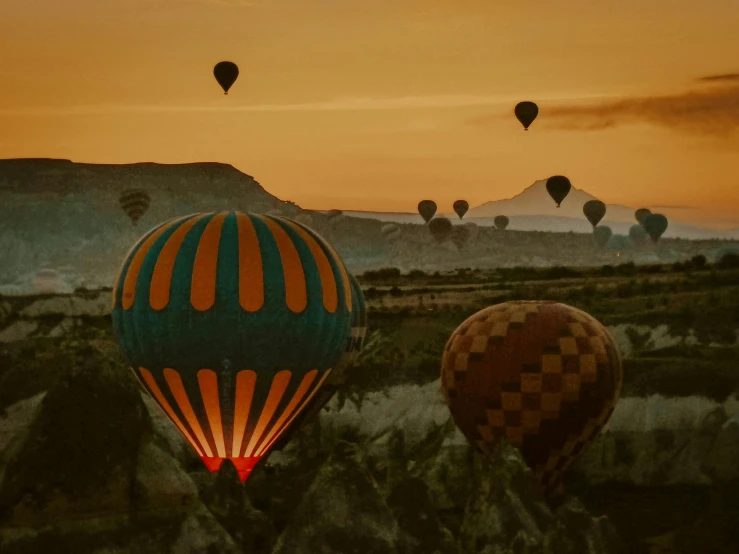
711, 111
675, 208
724, 78
228, 105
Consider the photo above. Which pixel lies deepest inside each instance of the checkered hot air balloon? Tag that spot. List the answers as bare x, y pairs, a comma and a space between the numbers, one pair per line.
543, 376
232, 322
135, 202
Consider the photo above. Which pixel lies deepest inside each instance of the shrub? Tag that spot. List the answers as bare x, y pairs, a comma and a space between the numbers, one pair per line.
729, 261
699, 261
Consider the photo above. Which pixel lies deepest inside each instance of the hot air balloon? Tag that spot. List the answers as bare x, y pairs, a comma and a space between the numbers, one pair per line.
594, 210
501, 222
637, 234
655, 225
226, 74
441, 228
542, 375
427, 209
232, 322
135, 202
641, 215
526, 113
461, 207
619, 243
390, 231
558, 188
601, 235
472, 229
338, 376
460, 236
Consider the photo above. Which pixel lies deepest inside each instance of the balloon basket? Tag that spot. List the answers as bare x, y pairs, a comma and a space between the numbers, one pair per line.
243, 465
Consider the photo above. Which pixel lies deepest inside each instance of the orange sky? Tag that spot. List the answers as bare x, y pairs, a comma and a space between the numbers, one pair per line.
374, 105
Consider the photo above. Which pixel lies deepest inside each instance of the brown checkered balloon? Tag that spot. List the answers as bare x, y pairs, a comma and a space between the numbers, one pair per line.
543, 376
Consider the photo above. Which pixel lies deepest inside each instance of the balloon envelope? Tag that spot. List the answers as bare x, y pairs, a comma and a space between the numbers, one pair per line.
601, 235
526, 112
460, 236
339, 375
440, 228
544, 376
501, 222
226, 74
558, 188
641, 215
232, 322
655, 225
461, 207
427, 209
135, 202
637, 234
594, 210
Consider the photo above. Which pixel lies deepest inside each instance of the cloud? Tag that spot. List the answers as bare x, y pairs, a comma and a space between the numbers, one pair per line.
713, 111
726, 77
675, 207
338, 104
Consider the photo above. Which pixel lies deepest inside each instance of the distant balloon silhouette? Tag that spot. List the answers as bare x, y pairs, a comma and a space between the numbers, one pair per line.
655, 225
641, 214
226, 74
558, 188
526, 113
619, 243
461, 207
427, 209
501, 222
440, 228
601, 235
637, 234
135, 202
460, 236
594, 210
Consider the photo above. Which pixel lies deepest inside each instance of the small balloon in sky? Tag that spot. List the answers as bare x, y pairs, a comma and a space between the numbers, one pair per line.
526, 113
226, 74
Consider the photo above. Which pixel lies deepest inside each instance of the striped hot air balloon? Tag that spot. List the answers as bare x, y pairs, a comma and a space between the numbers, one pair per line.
339, 375
135, 202
232, 322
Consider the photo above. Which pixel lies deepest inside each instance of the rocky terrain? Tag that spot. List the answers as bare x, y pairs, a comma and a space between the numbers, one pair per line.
89, 463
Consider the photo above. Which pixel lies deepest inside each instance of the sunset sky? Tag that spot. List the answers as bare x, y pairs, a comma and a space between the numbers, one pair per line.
375, 105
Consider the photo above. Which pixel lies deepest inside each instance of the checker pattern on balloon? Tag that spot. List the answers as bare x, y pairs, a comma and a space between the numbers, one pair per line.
541, 375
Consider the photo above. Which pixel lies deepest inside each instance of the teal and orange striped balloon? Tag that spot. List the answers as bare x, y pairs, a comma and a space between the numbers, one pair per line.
340, 373
232, 322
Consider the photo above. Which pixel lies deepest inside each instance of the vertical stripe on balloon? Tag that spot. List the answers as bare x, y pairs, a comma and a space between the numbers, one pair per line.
208, 381
161, 279
296, 295
297, 397
276, 392
342, 270
117, 283
183, 403
203, 291
132, 275
157, 394
299, 410
245, 382
328, 282
251, 278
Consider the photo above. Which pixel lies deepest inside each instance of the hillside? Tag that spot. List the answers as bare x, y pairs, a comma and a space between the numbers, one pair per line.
61, 226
